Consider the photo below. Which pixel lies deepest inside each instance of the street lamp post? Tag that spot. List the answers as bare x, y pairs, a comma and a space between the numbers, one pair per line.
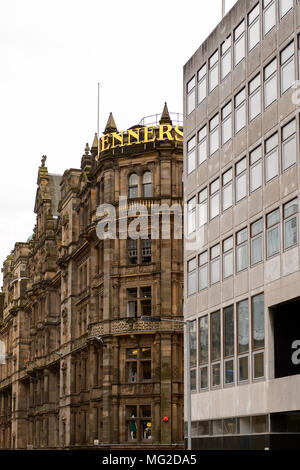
188, 376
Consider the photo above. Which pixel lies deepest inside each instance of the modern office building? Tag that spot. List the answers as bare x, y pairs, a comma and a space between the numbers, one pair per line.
242, 267
80, 367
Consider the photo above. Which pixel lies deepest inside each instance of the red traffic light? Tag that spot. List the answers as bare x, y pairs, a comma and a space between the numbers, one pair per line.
165, 419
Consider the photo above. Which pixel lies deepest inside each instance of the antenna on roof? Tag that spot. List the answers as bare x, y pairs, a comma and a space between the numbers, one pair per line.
223, 8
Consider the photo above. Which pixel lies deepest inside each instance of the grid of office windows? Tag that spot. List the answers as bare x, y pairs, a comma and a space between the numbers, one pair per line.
245, 248
260, 21
234, 356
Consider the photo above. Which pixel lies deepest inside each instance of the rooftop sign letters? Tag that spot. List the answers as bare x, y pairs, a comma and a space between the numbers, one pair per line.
141, 135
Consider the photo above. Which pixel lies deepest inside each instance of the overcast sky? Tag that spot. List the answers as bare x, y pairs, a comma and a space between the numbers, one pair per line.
53, 53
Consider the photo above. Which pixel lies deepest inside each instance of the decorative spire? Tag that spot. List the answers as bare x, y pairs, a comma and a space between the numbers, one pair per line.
95, 142
87, 149
165, 116
44, 158
111, 125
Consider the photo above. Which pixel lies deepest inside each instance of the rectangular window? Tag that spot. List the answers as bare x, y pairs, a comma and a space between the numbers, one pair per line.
240, 110
269, 17
202, 84
228, 319
216, 347
191, 155
243, 340
215, 265
289, 145
191, 219
253, 28
214, 199
228, 258
146, 250
254, 97
271, 157
132, 251
284, 7
203, 271
298, 56
239, 43
203, 352
242, 250
256, 169
226, 123
131, 302
258, 335
241, 179
202, 145
290, 214
273, 233
203, 207
191, 96
257, 229
227, 189
193, 354
145, 300
287, 67
226, 58
192, 276
214, 134
214, 71
270, 83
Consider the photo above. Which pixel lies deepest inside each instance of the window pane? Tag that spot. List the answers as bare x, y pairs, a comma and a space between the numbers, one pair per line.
191, 161
215, 271
226, 64
227, 197
269, 18
241, 187
291, 208
240, 118
191, 102
254, 34
273, 218
228, 265
201, 91
203, 342
254, 105
258, 365
202, 214
193, 375
271, 91
226, 130
214, 141
243, 327
214, 206
193, 344
203, 278
243, 368
215, 336
272, 165
290, 232
203, 378
255, 177
273, 241
213, 77
229, 372
256, 250
242, 258
287, 75
285, 6
228, 331
289, 153
216, 375
202, 151
258, 322
239, 50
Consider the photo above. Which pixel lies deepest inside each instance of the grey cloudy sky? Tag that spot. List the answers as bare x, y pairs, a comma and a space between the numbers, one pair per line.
53, 53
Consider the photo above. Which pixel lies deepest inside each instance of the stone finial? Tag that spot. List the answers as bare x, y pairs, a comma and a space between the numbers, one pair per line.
95, 142
44, 158
87, 149
111, 125
165, 116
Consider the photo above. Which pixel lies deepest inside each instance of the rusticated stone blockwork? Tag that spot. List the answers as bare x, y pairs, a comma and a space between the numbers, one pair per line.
81, 367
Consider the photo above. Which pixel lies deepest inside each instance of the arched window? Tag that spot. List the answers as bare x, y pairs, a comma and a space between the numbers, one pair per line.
147, 184
133, 186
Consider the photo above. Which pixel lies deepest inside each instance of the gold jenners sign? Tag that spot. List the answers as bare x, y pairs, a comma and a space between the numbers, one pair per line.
141, 135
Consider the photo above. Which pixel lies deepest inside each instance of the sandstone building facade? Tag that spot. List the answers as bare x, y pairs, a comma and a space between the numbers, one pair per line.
79, 366
242, 265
